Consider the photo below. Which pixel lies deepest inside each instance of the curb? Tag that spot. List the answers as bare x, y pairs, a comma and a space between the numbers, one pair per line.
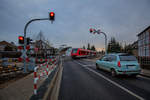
53, 89
145, 75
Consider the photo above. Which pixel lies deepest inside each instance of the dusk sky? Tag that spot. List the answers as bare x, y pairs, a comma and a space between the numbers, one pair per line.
122, 19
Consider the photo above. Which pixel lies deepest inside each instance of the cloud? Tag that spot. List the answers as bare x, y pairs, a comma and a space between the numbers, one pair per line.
122, 19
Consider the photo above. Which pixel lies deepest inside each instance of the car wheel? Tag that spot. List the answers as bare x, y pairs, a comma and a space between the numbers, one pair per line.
113, 73
97, 66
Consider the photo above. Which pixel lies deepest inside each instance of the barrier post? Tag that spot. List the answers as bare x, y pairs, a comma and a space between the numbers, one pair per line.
35, 81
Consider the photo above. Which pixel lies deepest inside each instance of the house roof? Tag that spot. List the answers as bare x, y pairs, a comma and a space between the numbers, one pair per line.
7, 43
144, 30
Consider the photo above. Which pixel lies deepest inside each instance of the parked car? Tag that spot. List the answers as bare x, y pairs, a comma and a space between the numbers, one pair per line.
119, 63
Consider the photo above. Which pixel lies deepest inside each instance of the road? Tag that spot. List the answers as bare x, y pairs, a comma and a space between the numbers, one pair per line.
82, 81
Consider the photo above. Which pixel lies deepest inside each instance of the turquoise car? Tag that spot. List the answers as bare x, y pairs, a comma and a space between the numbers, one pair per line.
119, 64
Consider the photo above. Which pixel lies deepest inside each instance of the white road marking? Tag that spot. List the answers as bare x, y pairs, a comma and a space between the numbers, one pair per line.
88, 65
118, 85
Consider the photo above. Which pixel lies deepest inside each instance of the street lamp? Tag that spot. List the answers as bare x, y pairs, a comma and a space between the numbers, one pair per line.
99, 32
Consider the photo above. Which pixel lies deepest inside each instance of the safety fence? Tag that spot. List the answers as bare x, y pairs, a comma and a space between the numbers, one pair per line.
44, 70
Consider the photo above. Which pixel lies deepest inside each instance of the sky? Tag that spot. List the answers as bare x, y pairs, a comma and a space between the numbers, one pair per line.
122, 19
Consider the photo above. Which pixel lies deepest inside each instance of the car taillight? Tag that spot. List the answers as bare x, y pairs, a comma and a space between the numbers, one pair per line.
119, 64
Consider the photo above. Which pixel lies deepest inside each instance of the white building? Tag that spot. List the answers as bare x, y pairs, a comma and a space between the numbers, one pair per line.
144, 43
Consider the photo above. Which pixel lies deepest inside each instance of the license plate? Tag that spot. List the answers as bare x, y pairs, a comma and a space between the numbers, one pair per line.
131, 66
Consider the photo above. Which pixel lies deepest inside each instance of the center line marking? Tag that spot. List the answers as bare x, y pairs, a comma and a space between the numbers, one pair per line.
118, 85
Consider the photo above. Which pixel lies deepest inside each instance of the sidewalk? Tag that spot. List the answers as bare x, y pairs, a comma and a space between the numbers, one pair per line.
145, 72
21, 89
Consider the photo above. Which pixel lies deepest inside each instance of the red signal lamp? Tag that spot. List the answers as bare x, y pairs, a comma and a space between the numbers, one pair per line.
91, 30
52, 16
20, 38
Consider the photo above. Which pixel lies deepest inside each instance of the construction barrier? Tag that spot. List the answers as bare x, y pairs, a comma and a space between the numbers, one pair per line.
46, 72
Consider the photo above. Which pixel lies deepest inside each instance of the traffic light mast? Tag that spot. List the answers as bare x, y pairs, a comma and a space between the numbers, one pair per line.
99, 32
51, 18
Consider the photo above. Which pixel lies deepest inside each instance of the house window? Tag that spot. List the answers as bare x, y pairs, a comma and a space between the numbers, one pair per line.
147, 51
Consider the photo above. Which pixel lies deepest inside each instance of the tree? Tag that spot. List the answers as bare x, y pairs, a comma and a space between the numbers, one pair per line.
48, 43
128, 49
40, 36
93, 48
83, 47
114, 46
88, 46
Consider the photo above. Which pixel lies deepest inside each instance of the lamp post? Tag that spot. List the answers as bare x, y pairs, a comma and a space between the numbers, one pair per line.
99, 32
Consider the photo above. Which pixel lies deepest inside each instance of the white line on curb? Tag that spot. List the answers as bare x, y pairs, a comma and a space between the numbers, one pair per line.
118, 85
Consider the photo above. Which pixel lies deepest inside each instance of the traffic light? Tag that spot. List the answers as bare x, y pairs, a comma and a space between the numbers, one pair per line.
28, 41
21, 40
91, 30
52, 16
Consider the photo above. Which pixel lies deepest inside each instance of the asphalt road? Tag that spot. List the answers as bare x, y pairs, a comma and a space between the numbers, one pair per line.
82, 81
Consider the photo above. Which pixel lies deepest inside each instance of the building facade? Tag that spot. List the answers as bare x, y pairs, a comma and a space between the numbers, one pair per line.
144, 48
6, 46
144, 43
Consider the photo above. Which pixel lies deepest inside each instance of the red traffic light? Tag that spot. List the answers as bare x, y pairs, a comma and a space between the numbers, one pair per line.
20, 38
91, 30
51, 13
52, 16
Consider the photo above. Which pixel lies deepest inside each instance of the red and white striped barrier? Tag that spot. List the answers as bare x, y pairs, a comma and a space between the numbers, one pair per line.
45, 72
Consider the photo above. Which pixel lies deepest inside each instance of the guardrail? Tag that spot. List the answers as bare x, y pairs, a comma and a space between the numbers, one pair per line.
47, 68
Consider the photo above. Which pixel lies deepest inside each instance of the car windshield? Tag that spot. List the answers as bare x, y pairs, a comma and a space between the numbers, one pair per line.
127, 58
74, 50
